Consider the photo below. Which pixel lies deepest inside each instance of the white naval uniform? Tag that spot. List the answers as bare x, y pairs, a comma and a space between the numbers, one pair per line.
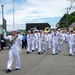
74, 42
67, 37
44, 42
29, 42
55, 42
60, 41
63, 39
14, 51
49, 40
36, 40
33, 42
40, 43
21, 36
71, 44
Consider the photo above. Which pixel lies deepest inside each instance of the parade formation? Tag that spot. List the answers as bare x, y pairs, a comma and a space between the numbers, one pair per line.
38, 40
37, 37
43, 41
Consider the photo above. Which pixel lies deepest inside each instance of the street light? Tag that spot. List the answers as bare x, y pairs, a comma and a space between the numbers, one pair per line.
67, 19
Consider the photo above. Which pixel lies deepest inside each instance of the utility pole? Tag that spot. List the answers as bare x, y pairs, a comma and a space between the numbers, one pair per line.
68, 10
67, 19
2, 15
13, 16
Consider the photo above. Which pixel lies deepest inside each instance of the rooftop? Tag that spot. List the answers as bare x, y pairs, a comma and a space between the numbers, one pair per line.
72, 25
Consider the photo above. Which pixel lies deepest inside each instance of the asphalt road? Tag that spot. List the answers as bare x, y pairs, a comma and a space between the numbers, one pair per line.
44, 64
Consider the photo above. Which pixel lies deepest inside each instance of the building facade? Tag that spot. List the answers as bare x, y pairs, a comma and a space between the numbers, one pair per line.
72, 26
39, 26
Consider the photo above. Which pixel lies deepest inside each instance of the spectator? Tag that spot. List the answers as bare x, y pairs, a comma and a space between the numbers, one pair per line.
25, 43
2, 42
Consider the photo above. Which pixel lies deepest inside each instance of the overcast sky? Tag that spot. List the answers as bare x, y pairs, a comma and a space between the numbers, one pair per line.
33, 11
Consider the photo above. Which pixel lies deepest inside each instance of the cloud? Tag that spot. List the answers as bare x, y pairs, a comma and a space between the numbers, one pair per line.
33, 10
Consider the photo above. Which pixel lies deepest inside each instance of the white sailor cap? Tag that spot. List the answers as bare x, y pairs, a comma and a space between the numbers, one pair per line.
55, 28
67, 32
33, 30
41, 30
59, 29
29, 30
37, 30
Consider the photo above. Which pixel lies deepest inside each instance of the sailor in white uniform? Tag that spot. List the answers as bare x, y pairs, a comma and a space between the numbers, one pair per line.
74, 40
15, 48
44, 43
60, 39
33, 41
36, 39
71, 43
49, 40
63, 39
40, 50
67, 37
55, 41
29, 42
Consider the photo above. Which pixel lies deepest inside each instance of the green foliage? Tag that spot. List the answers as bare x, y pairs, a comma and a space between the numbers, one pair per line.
25, 31
71, 20
63, 21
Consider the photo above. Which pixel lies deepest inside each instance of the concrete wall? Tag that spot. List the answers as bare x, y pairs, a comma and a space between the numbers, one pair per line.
71, 28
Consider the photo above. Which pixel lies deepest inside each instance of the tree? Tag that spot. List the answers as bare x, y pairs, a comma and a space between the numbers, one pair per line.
63, 20
71, 20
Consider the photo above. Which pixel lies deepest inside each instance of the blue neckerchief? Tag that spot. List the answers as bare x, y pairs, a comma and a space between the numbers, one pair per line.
54, 33
11, 42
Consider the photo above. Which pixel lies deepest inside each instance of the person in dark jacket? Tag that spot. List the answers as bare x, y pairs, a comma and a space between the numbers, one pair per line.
2, 42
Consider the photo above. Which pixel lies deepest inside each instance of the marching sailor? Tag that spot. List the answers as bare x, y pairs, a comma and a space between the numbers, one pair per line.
29, 42
67, 37
63, 39
44, 41
49, 40
33, 41
55, 41
59, 40
15, 48
74, 40
71, 43
36, 39
40, 50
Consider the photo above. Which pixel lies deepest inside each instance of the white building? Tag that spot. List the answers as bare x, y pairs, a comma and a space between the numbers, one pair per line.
72, 26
